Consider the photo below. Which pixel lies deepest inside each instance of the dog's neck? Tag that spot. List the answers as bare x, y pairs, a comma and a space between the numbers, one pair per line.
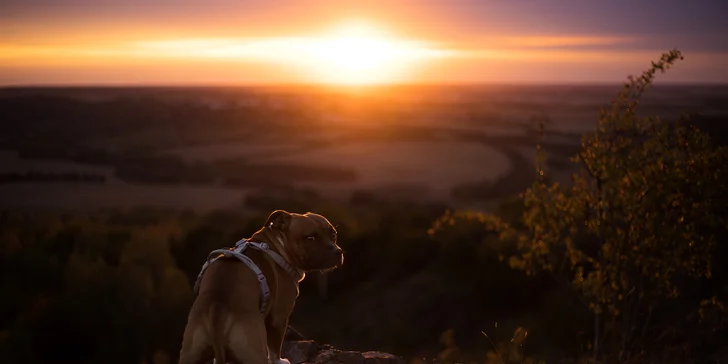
276, 244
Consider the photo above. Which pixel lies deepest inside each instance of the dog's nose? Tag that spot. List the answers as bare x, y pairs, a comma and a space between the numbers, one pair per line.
338, 253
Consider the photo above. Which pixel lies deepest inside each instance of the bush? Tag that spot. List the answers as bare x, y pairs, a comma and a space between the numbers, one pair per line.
635, 231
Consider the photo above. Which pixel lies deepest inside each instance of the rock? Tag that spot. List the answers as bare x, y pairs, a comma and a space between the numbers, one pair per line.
325, 357
298, 352
326, 347
308, 352
349, 357
377, 357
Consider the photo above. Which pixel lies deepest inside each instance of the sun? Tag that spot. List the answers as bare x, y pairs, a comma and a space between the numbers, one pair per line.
355, 59
357, 54
351, 54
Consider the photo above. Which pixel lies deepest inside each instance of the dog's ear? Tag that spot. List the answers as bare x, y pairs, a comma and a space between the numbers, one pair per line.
278, 220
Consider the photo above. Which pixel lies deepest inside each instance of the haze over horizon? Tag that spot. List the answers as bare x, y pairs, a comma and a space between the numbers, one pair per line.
225, 42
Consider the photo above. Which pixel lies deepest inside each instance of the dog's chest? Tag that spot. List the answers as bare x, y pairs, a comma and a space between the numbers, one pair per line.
285, 296
281, 309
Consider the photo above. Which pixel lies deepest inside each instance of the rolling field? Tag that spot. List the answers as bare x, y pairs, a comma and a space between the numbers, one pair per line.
207, 149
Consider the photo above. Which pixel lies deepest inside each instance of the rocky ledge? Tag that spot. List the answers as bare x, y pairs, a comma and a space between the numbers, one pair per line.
308, 351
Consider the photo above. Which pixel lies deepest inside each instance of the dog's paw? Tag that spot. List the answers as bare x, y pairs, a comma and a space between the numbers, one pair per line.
280, 361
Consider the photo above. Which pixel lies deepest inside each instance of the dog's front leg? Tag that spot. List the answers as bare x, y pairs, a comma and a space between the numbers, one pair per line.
275, 342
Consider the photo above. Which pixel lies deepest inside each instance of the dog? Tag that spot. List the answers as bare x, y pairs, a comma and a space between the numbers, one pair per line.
230, 319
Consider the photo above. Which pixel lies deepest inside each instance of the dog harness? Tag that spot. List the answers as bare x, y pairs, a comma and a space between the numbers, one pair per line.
237, 252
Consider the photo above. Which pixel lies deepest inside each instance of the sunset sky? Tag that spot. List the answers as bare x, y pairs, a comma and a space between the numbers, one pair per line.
352, 42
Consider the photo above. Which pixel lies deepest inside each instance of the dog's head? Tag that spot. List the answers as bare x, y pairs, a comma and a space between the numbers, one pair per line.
309, 239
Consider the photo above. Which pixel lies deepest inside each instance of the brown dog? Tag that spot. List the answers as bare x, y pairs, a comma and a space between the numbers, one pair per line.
225, 321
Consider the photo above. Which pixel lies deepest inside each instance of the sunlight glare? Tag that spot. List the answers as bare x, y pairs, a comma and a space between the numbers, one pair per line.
354, 53
360, 53
354, 59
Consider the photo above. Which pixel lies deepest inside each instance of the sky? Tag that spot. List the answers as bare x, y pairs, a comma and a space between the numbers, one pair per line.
226, 42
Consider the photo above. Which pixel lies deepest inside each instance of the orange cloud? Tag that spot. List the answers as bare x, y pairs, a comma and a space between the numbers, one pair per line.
560, 41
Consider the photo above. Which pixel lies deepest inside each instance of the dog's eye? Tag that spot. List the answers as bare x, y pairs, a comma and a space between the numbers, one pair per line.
311, 237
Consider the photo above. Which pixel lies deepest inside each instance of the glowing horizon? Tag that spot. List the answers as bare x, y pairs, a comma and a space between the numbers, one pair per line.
94, 44
351, 53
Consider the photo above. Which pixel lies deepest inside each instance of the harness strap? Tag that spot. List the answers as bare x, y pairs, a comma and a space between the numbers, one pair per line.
237, 252
295, 273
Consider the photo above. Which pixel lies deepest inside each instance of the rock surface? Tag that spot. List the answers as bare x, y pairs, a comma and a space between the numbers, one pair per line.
307, 351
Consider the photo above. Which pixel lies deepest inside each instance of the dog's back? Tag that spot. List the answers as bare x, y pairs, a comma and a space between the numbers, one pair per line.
222, 302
